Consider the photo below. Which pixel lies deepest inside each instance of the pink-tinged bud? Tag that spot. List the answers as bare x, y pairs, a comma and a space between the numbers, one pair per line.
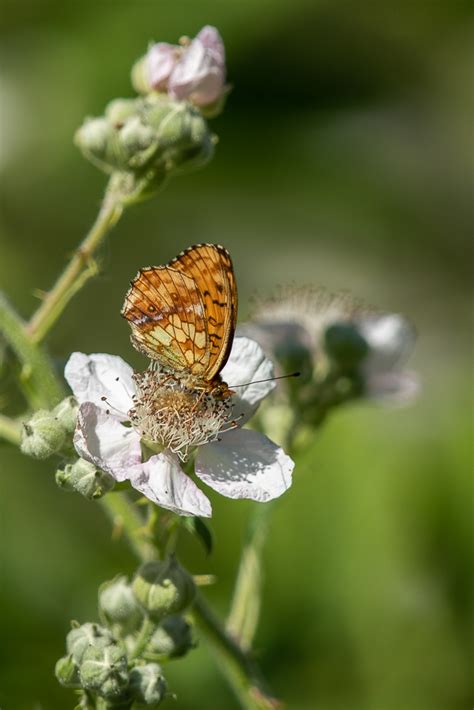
161, 60
199, 75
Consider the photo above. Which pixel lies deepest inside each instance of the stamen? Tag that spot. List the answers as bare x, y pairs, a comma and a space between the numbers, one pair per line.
172, 412
121, 414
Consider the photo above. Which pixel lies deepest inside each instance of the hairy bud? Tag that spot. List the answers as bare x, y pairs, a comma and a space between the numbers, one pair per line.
163, 588
147, 684
104, 670
173, 638
67, 672
43, 435
118, 606
87, 636
84, 478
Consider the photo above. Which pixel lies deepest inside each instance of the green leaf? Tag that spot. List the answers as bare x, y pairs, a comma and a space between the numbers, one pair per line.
197, 527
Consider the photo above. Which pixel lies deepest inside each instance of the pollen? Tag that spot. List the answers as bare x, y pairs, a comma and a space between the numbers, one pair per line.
168, 411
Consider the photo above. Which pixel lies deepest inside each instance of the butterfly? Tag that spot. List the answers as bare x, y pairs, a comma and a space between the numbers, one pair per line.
183, 315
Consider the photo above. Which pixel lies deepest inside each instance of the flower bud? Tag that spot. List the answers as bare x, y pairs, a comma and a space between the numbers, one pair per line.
181, 134
67, 672
43, 435
119, 607
345, 345
120, 110
147, 684
104, 670
84, 478
98, 141
87, 636
194, 71
152, 72
199, 75
148, 139
163, 587
173, 638
66, 413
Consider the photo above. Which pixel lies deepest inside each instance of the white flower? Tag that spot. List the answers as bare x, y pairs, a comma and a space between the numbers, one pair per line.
295, 325
238, 463
195, 72
391, 340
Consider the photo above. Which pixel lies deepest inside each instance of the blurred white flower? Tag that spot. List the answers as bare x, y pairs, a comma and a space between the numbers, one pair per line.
115, 414
195, 71
311, 328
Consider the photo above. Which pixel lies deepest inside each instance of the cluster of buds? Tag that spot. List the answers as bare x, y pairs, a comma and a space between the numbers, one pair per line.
116, 662
50, 432
162, 132
343, 351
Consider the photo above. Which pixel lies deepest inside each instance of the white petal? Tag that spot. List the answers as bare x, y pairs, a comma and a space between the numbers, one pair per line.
393, 388
247, 364
200, 72
210, 38
245, 464
161, 59
162, 480
390, 338
92, 377
101, 439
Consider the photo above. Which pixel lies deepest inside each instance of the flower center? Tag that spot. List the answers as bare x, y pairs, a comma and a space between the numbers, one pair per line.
169, 411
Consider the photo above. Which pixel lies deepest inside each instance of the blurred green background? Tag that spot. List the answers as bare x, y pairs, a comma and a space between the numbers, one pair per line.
345, 159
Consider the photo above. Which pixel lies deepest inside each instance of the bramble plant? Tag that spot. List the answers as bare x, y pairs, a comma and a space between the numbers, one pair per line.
120, 431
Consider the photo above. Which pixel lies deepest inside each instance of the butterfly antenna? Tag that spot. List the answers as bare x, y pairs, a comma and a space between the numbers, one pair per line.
268, 379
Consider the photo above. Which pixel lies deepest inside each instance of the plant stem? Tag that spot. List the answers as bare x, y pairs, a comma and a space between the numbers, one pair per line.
126, 519
37, 378
146, 632
10, 430
244, 614
237, 665
80, 267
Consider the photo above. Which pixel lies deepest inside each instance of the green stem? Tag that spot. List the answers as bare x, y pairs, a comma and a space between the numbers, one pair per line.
81, 266
126, 518
237, 665
10, 430
244, 614
146, 632
41, 386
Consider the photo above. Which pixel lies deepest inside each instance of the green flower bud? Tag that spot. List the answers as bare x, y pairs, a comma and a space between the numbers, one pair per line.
139, 76
148, 138
184, 138
67, 672
163, 588
97, 139
118, 606
104, 670
345, 345
43, 435
66, 413
84, 478
147, 684
120, 110
87, 636
173, 638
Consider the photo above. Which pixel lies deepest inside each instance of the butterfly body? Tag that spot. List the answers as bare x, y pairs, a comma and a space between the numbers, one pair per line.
183, 316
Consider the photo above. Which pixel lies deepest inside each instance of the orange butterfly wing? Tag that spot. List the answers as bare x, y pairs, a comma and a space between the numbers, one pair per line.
211, 268
183, 315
